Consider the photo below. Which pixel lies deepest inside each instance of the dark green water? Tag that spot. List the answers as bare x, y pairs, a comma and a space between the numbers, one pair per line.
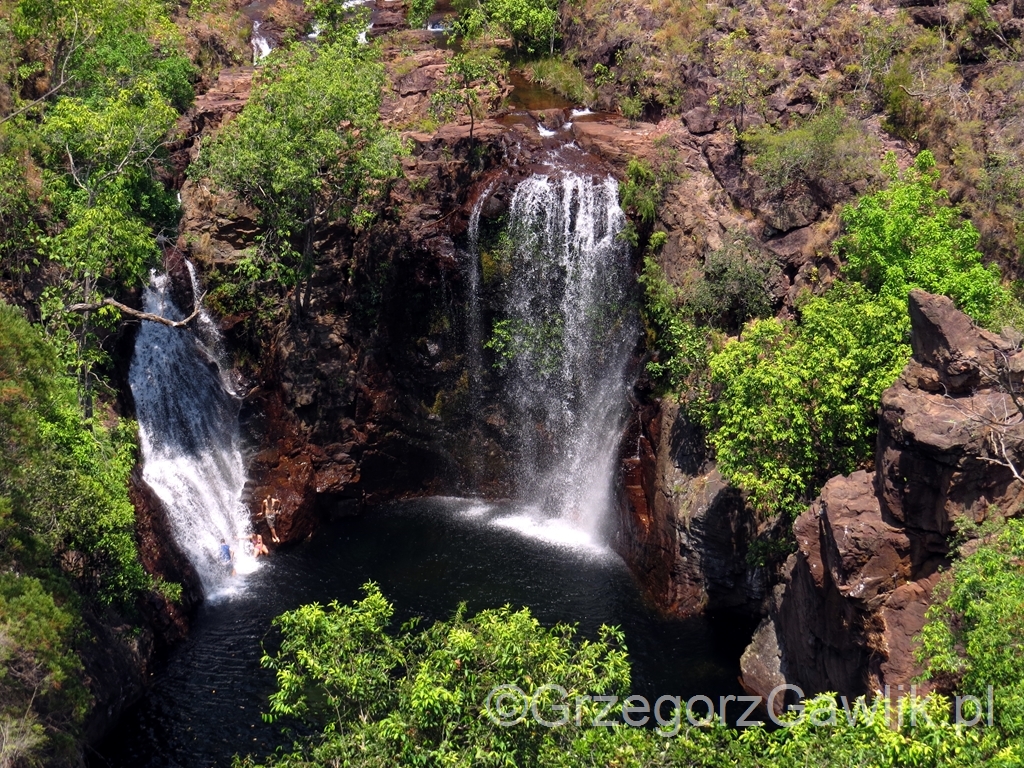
427, 555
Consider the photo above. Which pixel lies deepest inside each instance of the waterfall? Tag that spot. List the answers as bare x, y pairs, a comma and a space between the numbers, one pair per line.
260, 45
564, 336
189, 435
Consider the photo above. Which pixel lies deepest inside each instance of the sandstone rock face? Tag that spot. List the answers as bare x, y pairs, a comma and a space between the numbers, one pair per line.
684, 530
855, 593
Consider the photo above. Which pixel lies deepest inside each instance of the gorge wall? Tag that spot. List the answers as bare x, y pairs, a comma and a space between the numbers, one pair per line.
870, 548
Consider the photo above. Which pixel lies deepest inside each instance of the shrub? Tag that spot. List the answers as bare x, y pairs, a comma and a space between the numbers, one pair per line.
683, 349
563, 77
419, 13
907, 236
828, 148
736, 285
419, 697
795, 404
976, 629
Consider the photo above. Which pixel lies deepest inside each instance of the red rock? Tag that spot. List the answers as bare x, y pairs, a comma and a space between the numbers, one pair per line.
855, 594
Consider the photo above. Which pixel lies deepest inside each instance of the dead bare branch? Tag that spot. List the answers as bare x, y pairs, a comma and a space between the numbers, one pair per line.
91, 307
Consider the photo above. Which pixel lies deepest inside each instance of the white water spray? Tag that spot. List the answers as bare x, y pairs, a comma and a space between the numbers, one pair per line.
189, 435
261, 47
566, 333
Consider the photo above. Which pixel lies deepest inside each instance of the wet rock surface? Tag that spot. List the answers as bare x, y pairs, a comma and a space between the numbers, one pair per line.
684, 530
854, 595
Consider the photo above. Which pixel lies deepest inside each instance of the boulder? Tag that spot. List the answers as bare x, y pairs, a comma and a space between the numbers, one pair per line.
869, 549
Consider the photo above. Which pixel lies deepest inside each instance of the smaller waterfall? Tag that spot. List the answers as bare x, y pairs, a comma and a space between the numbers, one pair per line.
474, 318
260, 45
190, 437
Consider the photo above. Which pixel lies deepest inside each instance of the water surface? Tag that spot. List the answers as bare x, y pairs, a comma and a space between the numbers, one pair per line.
427, 555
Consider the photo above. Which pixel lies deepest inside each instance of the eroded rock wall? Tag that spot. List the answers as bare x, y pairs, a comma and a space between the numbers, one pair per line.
683, 529
854, 595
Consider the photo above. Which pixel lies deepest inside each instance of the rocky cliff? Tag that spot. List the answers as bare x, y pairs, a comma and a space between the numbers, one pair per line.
870, 548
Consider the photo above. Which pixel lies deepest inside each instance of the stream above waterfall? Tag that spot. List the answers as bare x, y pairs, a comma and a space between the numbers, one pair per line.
427, 555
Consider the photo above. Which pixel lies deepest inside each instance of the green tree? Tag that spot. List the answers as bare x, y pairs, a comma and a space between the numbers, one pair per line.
975, 629
42, 697
794, 404
469, 82
907, 236
420, 697
419, 13
117, 78
66, 542
532, 24
64, 477
828, 148
107, 147
744, 74
308, 148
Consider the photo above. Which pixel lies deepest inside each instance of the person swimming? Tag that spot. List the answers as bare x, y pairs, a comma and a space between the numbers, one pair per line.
258, 547
227, 557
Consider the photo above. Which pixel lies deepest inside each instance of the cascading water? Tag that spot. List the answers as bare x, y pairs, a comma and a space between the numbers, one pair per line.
189, 435
474, 319
261, 47
564, 335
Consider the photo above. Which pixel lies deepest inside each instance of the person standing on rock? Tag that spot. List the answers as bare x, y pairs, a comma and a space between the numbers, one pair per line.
271, 507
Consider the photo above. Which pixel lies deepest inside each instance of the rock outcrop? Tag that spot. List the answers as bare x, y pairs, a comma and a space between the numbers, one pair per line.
684, 531
869, 549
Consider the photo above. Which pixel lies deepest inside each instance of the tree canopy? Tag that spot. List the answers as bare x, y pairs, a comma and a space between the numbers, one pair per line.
368, 695
308, 147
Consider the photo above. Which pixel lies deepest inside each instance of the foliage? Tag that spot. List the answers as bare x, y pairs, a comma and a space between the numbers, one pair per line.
540, 343
563, 77
42, 696
683, 348
116, 78
468, 83
744, 73
975, 631
64, 478
532, 24
794, 404
828, 148
643, 189
338, 20
736, 285
906, 236
66, 533
419, 13
418, 698
308, 147
92, 48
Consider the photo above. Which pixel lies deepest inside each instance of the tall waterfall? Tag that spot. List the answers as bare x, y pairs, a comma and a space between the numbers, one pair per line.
565, 333
189, 434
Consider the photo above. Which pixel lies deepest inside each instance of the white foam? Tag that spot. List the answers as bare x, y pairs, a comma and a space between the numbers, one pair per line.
477, 511
189, 435
544, 131
582, 112
556, 531
261, 47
